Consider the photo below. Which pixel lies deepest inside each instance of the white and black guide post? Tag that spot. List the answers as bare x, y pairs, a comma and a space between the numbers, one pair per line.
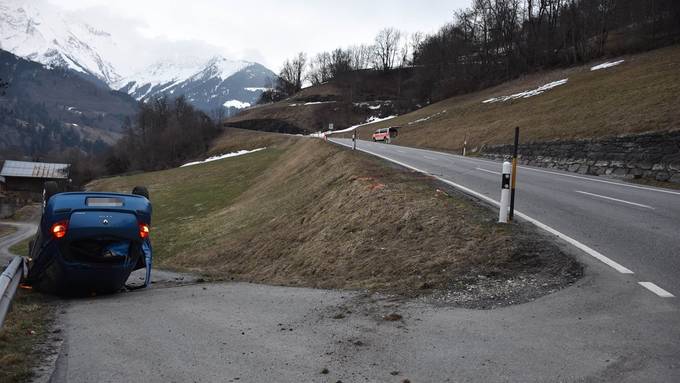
354, 139
505, 193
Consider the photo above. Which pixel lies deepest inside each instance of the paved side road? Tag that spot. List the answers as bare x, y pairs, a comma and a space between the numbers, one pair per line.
635, 228
24, 230
603, 329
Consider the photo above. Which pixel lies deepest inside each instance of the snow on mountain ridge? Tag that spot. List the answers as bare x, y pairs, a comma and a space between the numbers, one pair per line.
168, 73
46, 36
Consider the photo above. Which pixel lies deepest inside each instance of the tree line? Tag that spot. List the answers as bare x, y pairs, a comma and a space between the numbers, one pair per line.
164, 134
494, 41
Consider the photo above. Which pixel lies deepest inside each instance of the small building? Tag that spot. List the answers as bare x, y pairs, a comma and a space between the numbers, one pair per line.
22, 176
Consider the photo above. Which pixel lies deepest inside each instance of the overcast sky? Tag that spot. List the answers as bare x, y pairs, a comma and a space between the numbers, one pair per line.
266, 31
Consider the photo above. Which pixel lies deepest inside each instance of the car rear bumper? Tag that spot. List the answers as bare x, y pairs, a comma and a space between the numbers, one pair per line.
59, 270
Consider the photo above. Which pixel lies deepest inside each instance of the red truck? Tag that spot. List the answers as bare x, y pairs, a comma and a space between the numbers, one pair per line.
385, 134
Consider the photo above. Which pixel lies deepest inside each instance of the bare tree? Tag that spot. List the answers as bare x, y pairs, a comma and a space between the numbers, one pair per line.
361, 56
414, 44
292, 74
386, 48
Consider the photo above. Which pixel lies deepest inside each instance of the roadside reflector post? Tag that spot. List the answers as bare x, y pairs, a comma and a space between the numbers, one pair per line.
505, 193
354, 139
514, 175
465, 144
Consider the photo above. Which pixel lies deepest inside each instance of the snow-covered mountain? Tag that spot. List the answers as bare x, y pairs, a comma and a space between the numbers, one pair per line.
38, 31
208, 84
48, 36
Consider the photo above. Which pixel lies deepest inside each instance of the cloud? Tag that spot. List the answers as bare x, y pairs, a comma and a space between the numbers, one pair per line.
266, 31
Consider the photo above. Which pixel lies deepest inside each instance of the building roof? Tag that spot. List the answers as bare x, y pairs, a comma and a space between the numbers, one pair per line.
34, 170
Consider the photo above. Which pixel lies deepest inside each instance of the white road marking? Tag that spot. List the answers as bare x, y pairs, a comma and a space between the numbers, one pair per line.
489, 171
482, 160
588, 250
656, 290
602, 181
429, 158
614, 199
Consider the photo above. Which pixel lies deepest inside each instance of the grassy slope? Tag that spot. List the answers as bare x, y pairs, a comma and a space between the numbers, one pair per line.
20, 248
6, 230
26, 326
311, 214
359, 87
638, 96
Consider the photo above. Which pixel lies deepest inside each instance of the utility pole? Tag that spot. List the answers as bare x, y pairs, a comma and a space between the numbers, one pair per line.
514, 174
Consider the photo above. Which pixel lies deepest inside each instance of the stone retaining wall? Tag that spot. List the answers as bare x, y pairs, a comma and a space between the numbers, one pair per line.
652, 155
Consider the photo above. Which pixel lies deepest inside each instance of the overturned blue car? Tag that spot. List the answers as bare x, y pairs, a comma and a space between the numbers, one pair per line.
90, 242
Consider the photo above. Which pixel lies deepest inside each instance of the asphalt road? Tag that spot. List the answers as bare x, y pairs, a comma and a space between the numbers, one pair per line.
636, 227
605, 328
24, 230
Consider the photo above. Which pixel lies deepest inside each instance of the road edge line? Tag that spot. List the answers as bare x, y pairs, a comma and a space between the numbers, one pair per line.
581, 246
653, 287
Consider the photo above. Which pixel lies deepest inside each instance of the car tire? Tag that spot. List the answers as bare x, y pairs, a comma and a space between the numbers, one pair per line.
141, 191
50, 189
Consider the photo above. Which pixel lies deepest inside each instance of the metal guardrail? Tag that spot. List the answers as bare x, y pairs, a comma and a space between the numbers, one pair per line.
9, 282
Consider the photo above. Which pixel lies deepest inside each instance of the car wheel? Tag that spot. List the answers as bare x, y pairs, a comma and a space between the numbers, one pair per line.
50, 189
141, 191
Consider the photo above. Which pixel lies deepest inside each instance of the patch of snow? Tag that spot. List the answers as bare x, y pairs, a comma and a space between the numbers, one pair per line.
255, 89
606, 65
528, 93
313, 103
319, 102
222, 156
236, 104
427, 118
41, 32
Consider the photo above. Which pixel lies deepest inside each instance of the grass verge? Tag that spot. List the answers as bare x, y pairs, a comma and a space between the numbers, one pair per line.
20, 248
26, 327
313, 214
6, 230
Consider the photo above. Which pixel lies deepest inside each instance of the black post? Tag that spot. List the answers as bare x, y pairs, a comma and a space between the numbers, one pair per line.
514, 175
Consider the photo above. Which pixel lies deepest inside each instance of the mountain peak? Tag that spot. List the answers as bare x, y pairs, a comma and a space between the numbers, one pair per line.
48, 36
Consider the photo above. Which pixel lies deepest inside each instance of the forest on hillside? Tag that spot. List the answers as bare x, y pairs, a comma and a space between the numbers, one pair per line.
494, 41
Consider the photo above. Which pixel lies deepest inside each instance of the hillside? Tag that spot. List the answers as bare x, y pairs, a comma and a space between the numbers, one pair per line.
345, 101
639, 95
46, 111
307, 213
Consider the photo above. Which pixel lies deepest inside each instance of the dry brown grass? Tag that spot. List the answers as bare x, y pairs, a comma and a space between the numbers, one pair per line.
304, 118
26, 326
6, 230
638, 96
232, 140
317, 215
